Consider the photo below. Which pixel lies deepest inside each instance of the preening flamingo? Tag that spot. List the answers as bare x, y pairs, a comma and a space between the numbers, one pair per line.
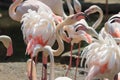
102, 58
7, 42
39, 30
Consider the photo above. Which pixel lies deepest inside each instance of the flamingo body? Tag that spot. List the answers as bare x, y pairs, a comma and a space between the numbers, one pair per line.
102, 58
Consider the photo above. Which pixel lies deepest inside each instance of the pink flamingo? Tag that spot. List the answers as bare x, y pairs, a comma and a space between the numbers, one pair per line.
102, 58
39, 30
7, 42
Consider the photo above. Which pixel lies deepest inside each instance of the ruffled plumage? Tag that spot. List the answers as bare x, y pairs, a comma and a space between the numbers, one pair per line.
103, 52
38, 27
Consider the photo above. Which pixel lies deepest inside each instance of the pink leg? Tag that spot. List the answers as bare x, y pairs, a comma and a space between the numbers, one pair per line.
70, 63
31, 70
44, 68
36, 59
77, 61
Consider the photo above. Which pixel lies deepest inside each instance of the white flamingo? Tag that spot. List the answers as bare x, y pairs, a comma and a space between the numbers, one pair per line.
39, 30
7, 42
77, 33
102, 58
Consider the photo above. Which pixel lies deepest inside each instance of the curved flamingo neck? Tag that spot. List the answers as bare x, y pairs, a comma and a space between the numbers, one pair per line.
97, 23
71, 11
12, 8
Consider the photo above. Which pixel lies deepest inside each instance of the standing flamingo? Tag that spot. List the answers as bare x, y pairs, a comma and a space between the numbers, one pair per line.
39, 30
102, 58
84, 26
7, 42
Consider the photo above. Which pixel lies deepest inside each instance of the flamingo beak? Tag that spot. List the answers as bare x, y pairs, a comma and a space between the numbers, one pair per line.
80, 16
85, 36
9, 50
88, 38
116, 34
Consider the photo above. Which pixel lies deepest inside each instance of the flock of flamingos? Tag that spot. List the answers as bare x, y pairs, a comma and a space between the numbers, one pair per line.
44, 22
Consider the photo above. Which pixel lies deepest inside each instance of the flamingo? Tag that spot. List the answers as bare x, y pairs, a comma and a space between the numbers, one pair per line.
36, 38
7, 42
77, 33
85, 26
42, 35
102, 58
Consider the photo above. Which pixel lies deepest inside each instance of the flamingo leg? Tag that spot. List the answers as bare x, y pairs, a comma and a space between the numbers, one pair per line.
70, 63
36, 59
77, 61
31, 70
44, 68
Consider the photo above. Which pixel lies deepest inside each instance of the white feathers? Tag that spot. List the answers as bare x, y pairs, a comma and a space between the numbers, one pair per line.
38, 23
103, 51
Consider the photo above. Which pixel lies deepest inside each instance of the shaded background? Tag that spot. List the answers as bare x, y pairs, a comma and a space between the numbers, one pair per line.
13, 28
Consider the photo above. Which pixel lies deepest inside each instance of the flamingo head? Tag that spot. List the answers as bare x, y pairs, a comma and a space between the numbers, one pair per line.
113, 30
78, 33
92, 9
7, 42
87, 29
83, 32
